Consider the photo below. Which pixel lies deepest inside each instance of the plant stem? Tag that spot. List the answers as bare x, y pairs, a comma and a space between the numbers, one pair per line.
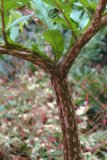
71, 143
3, 23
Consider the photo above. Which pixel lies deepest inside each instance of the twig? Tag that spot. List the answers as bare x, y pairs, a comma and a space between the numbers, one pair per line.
95, 126
26, 11
3, 23
44, 63
66, 19
99, 146
97, 23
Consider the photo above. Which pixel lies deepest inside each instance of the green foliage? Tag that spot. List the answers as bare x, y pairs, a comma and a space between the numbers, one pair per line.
55, 15
89, 70
13, 4
90, 141
89, 81
14, 33
89, 5
55, 39
80, 15
17, 21
65, 10
42, 13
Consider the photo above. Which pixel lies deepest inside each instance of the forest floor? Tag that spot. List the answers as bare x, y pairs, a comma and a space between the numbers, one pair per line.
29, 123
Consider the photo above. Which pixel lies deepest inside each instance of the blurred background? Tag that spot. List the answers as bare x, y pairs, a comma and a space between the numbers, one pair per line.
29, 124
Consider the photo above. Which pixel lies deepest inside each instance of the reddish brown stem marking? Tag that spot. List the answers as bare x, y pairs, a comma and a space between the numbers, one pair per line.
95, 26
71, 145
72, 150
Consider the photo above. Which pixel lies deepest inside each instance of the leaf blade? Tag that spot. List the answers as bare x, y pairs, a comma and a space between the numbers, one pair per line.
55, 39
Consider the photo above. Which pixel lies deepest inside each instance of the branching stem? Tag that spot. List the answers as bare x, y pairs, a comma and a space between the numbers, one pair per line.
66, 19
3, 23
98, 22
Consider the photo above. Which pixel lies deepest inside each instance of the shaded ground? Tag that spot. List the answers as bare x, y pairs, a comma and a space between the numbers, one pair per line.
29, 124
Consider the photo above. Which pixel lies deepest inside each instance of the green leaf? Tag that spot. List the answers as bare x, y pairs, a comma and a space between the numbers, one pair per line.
14, 33
55, 39
80, 16
90, 5
35, 47
65, 10
13, 4
15, 22
42, 13
71, 2
60, 20
50, 2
